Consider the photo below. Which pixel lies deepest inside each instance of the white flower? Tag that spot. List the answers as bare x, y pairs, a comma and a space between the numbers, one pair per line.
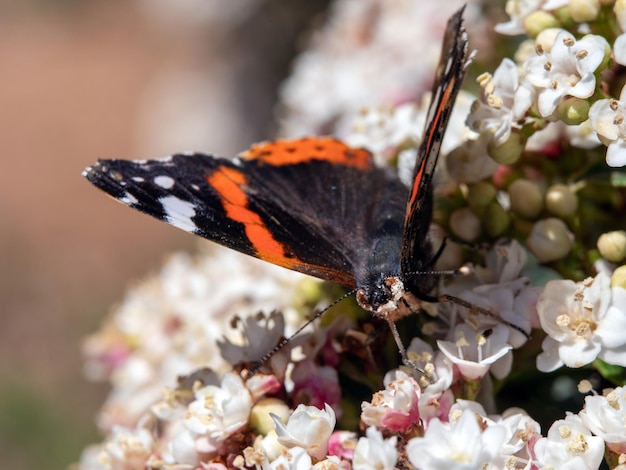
567, 70
582, 136
619, 46
583, 321
295, 458
180, 449
518, 10
308, 427
218, 412
605, 417
395, 408
253, 337
569, 444
503, 263
521, 432
167, 325
607, 119
373, 452
459, 445
493, 111
128, 448
438, 374
364, 57
383, 130
470, 162
474, 353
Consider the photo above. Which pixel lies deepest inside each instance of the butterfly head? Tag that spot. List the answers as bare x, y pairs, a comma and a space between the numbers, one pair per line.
388, 299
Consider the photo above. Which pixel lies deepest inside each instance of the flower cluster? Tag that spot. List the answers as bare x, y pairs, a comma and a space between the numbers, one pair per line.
532, 188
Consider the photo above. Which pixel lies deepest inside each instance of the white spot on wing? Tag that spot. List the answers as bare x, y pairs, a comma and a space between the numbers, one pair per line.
138, 179
129, 199
179, 212
164, 181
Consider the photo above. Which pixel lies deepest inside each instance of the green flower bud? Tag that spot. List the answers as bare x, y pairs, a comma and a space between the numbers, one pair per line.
538, 21
480, 195
561, 201
550, 240
260, 419
465, 224
584, 10
573, 111
509, 151
618, 279
526, 198
612, 246
495, 219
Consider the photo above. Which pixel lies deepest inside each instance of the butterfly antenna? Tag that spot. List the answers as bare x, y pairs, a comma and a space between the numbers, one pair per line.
473, 308
254, 369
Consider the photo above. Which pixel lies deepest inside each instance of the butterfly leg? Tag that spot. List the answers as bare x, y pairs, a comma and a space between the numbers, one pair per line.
405, 357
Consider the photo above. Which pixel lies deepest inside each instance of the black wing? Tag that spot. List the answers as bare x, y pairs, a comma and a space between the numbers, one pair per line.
416, 249
310, 205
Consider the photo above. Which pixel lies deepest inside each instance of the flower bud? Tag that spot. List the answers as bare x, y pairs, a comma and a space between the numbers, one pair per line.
612, 246
260, 419
620, 12
495, 220
480, 195
509, 151
583, 11
537, 21
561, 201
465, 224
546, 39
526, 198
573, 111
618, 279
550, 240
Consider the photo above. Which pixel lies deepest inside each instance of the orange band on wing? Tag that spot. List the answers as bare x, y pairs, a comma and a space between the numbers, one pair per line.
227, 182
290, 152
429, 137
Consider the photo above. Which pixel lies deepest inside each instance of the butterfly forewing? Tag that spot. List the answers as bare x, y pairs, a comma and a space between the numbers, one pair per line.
308, 213
416, 249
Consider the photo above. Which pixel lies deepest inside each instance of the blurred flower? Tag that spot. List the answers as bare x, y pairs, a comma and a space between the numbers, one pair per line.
373, 452
218, 412
350, 61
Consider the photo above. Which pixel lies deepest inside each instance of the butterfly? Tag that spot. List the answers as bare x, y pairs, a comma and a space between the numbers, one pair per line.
313, 205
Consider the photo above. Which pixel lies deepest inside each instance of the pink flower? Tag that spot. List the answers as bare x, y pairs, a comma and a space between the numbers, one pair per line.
395, 408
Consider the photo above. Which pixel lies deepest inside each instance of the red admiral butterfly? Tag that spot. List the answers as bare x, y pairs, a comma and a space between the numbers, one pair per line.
312, 205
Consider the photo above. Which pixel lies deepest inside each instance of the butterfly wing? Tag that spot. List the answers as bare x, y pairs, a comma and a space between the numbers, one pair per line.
307, 205
416, 249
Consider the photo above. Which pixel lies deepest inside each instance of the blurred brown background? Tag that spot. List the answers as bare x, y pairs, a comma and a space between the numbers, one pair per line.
88, 79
